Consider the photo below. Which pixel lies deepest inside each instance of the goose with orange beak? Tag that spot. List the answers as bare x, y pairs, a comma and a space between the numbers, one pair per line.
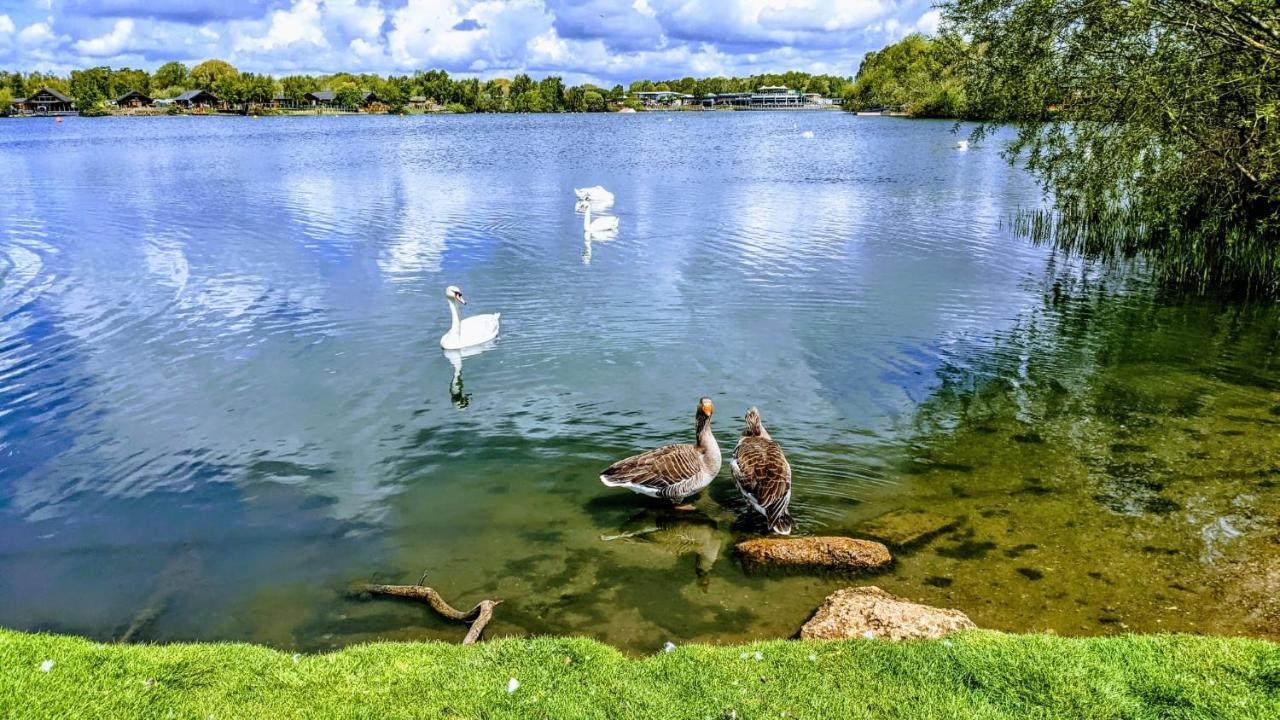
673, 472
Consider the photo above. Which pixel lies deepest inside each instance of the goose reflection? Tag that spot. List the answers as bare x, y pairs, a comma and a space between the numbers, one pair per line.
460, 398
679, 533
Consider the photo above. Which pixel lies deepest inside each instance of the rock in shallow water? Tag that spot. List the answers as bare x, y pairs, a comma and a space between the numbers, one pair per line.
904, 528
873, 613
833, 553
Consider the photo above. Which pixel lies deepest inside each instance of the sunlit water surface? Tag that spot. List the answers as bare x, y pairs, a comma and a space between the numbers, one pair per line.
222, 397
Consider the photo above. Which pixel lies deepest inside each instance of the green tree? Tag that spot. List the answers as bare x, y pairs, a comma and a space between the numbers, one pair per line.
347, 95
595, 101
551, 88
91, 88
126, 79
209, 72
296, 87
922, 76
6, 100
1155, 125
171, 74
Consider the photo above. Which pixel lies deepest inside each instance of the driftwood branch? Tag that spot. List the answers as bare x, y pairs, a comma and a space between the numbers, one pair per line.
478, 616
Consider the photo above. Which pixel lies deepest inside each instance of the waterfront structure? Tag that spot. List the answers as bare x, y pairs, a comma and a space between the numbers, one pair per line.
664, 98
133, 99
769, 97
196, 99
328, 99
45, 101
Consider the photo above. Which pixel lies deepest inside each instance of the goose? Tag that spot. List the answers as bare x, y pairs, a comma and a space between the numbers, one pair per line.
962, 145
595, 193
471, 331
600, 224
762, 474
673, 472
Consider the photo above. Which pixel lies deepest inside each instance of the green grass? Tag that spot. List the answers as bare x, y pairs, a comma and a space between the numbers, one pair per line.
973, 675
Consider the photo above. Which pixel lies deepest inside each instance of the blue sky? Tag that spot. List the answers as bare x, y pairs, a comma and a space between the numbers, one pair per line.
582, 40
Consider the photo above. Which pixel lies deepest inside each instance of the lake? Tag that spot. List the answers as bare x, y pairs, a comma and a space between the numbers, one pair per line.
223, 399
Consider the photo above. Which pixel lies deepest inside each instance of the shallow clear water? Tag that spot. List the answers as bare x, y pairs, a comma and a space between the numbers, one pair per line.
222, 397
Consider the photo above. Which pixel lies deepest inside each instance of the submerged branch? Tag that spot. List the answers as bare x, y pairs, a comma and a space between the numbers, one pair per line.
478, 616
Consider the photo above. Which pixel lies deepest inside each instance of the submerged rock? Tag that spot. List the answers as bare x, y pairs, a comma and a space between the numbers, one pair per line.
873, 613
834, 553
904, 528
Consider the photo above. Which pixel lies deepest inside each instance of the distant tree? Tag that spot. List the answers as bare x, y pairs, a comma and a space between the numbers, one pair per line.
171, 74
126, 79
347, 95
296, 87
595, 102
6, 100
209, 72
617, 92
91, 88
923, 76
551, 88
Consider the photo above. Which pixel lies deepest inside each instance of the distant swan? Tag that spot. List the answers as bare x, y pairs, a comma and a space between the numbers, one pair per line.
962, 145
598, 225
807, 134
594, 194
471, 331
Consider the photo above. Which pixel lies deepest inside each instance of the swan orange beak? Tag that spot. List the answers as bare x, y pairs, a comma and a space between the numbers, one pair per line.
461, 299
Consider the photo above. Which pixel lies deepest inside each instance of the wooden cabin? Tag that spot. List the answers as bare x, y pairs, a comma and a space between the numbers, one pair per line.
133, 99
46, 101
196, 99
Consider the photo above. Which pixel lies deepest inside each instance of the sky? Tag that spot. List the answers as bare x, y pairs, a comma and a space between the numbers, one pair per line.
602, 41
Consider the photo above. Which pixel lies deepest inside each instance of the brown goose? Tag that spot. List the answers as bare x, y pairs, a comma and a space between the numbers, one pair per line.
675, 471
762, 474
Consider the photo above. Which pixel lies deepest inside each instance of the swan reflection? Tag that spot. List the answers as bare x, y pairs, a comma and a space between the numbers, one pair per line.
460, 398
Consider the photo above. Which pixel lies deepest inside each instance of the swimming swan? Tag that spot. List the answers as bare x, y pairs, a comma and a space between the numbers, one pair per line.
962, 145
471, 331
594, 194
598, 225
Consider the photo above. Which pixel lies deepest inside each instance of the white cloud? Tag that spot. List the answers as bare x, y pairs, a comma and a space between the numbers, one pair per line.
110, 44
929, 22
602, 41
37, 35
300, 25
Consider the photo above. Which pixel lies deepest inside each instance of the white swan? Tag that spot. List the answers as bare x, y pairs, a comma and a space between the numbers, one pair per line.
471, 331
598, 225
595, 194
807, 134
962, 145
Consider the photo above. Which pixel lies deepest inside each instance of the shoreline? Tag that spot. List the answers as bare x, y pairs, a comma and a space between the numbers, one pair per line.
971, 674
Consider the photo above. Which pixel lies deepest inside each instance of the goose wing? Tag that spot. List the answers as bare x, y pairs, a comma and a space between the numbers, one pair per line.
763, 475
656, 472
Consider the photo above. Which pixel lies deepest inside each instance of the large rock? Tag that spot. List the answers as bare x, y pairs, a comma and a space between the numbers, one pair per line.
833, 553
904, 528
872, 612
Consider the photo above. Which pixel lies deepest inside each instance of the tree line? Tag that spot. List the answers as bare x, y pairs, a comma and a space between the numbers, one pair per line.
93, 87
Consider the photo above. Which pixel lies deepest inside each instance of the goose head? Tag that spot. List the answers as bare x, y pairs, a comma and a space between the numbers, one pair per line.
453, 294
705, 408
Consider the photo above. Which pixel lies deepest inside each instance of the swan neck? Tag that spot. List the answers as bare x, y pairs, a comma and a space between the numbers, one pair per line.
586, 218
456, 328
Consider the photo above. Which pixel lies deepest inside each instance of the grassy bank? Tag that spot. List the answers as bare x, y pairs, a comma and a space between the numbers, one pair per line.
974, 675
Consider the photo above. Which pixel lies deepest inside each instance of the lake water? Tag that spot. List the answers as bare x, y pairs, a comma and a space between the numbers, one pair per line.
222, 397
